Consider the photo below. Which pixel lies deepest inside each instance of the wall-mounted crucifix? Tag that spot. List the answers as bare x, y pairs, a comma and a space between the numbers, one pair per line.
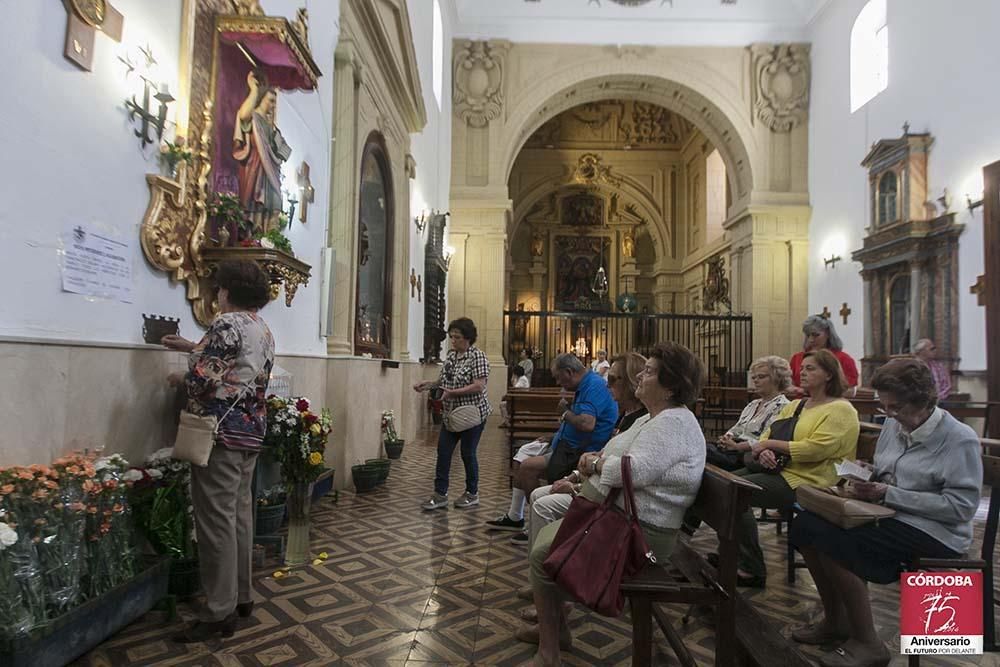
844, 312
419, 287
413, 283
83, 19
826, 313
307, 193
979, 289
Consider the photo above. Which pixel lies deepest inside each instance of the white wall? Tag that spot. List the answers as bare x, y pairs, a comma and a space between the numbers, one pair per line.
72, 159
431, 148
941, 66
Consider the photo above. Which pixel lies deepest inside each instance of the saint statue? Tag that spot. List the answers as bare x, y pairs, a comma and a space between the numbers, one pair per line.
537, 245
628, 244
259, 149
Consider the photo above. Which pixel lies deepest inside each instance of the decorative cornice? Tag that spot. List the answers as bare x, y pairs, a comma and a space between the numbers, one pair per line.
478, 81
781, 75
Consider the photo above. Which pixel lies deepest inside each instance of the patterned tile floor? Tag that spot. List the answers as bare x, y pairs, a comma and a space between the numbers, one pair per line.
404, 587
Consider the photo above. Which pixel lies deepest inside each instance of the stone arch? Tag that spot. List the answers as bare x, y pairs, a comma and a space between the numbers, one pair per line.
715, 123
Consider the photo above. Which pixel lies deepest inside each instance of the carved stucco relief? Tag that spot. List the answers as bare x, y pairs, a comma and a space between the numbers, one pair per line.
781, 84
479, 69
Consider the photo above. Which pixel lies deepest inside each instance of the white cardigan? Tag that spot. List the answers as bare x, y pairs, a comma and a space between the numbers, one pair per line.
667, 454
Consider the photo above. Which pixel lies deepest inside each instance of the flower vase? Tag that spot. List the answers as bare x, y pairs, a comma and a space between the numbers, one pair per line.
298, 501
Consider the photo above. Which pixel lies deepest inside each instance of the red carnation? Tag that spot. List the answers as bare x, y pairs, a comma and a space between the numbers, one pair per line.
302, 405
311, 418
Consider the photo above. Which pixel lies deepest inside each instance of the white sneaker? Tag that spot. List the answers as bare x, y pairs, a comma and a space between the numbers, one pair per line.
435, 502
467, 500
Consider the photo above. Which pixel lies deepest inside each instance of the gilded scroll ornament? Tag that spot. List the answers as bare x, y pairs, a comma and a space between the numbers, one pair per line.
781, 84
478, 94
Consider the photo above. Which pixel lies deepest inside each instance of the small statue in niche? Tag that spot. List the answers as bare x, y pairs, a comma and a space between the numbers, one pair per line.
628, 244
537, 245
259, 149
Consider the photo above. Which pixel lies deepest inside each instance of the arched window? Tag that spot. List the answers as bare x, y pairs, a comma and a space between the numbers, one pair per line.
869, 54
437, 62
373, 310
887, 198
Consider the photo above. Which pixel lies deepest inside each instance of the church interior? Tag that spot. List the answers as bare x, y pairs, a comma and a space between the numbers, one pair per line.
444, 206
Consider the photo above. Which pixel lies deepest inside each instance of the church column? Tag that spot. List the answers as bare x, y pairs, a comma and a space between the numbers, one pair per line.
344, 195
914, 305
866, 312
476, 277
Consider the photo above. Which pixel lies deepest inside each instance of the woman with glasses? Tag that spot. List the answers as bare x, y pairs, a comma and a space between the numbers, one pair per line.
771, 376
463, 383
927, 468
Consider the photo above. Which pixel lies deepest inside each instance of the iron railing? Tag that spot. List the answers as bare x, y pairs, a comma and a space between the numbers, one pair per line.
723, 342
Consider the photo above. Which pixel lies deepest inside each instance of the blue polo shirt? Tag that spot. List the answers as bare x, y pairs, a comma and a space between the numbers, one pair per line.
592, 397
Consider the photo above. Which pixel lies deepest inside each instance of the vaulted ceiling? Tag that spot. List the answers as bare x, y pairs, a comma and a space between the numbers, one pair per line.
660, 22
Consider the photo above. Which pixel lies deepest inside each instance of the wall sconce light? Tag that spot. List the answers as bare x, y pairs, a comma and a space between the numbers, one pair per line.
144, 113
421, 222
449, 252
973, 205
831, 261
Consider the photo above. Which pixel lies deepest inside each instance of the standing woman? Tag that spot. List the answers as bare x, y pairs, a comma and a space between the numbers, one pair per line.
463, 381
819, 334
228, 372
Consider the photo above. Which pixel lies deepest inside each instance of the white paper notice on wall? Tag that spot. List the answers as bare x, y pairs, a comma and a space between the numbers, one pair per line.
96, 264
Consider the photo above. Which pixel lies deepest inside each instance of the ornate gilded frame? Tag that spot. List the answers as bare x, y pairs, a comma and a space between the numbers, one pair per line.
172, 234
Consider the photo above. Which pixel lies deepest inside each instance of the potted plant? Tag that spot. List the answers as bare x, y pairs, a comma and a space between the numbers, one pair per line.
365, 477
390, 440
296, 438
172, 155
164, 515
271, 510
383, 466
230, 224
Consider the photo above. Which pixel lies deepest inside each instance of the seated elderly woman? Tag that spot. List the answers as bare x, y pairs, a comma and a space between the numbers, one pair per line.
667, 453
771, 376
927, 468
549, 503
822, 430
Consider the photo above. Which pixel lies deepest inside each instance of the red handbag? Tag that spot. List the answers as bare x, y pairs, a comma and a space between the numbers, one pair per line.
597, 546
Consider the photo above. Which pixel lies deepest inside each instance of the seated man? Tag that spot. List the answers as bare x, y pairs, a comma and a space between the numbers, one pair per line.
587, 424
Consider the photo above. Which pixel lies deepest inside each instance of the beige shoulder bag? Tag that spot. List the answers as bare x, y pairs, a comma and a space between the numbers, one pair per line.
840, 510
196, 435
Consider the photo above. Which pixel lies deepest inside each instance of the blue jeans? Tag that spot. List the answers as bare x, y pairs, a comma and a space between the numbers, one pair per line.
446, 447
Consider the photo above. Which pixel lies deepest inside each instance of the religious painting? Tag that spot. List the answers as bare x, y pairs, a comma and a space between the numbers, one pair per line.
250, 149
577, 261
373, 317
584, 210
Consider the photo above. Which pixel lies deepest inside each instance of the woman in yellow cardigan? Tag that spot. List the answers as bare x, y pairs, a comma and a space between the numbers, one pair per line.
825, 434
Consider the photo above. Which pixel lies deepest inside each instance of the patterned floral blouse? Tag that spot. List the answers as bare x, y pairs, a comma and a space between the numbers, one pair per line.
460, 371
232, 362
756, 417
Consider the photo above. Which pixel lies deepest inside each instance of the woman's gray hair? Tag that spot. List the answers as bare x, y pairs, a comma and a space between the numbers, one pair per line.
567, 362
778, 369
816, 323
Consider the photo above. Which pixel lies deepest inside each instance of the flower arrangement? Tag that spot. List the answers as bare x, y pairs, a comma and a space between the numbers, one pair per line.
272, 497
161, 502
296, 438
389, 434
229, 218
64, 537
275, 239
173, 154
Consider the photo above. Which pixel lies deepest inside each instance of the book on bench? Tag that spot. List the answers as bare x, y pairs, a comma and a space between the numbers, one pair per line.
851, 470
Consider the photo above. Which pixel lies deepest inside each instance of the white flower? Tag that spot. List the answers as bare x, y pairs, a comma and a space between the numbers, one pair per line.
8, 536
132, 475
155, 473
101, 463
163, 454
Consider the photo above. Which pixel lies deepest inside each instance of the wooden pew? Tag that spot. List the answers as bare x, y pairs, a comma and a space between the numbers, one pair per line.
532, 413
721, 500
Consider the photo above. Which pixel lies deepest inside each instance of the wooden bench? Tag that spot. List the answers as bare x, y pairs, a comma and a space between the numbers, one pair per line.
531, 413
721, 500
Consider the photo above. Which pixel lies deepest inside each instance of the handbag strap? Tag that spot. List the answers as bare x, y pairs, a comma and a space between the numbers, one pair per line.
629, 500
244, 386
